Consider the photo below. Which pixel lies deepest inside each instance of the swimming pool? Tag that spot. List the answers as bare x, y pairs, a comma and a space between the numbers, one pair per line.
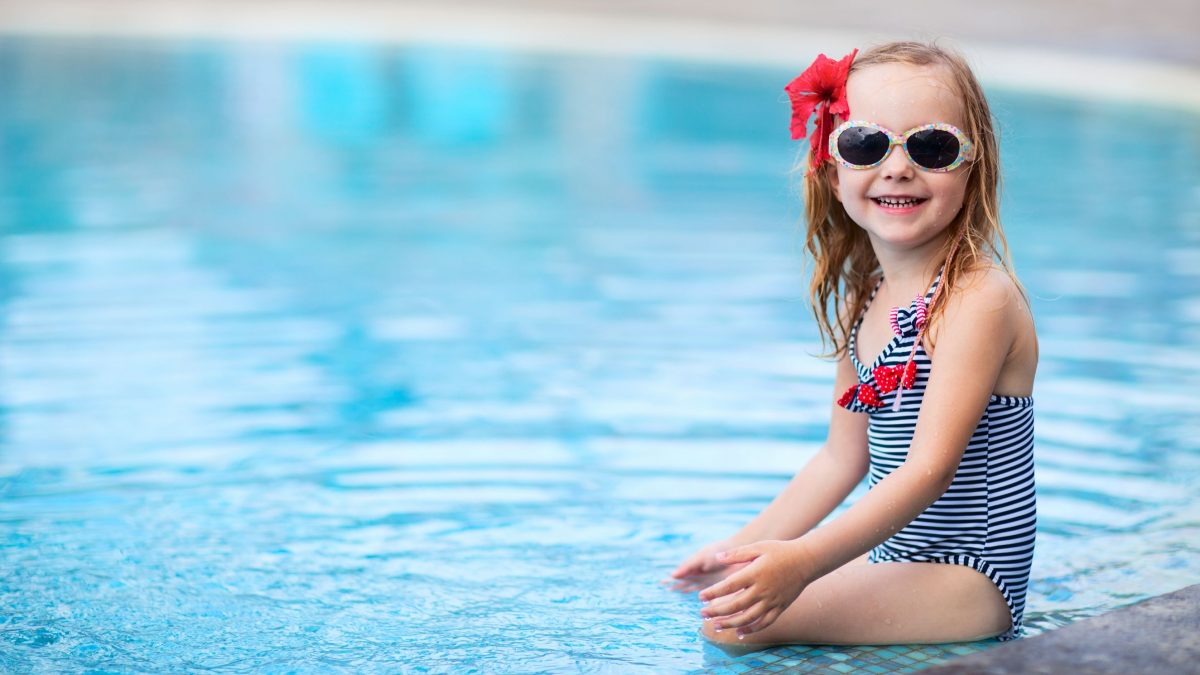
345, 357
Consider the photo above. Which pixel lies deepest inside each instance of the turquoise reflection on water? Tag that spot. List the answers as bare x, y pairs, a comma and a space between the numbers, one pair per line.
347, 357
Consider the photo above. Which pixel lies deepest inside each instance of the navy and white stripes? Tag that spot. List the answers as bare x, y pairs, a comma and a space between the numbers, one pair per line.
987, 518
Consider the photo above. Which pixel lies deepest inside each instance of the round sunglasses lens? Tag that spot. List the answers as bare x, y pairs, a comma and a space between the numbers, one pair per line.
862, 145
933, 148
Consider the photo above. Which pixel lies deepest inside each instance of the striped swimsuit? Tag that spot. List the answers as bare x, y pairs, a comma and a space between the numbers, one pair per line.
987, 517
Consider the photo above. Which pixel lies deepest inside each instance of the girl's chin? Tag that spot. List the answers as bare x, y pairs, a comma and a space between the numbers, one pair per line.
898, 238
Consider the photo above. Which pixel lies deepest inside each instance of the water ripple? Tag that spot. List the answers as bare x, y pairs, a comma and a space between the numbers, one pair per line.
354, 359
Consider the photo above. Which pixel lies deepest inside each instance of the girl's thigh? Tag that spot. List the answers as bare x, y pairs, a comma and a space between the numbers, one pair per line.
887, 603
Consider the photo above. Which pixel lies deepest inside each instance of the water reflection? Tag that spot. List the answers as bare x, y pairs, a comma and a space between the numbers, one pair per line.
335, 354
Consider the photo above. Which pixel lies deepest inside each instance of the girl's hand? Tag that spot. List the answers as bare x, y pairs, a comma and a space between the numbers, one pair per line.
702, 568
755, 596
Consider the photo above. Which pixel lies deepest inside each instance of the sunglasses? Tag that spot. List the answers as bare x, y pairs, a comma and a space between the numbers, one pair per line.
932, 147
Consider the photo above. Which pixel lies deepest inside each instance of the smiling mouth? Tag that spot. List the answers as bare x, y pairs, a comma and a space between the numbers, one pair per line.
898, 202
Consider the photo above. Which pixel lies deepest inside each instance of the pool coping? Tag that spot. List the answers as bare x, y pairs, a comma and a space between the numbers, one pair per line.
1158, 635
579, 30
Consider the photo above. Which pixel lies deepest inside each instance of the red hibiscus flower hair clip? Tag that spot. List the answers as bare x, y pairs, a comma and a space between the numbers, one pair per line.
821, 88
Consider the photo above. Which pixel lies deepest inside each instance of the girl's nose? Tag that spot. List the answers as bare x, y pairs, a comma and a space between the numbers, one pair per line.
896, 166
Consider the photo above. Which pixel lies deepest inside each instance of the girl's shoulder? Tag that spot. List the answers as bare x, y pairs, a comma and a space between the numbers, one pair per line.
988, 287
990, 311
987, 297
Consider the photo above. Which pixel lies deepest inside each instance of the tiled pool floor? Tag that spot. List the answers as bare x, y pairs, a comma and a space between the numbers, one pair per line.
834, 659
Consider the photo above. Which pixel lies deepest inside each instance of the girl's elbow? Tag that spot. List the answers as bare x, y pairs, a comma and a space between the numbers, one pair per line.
861, 469
944, 482
938, 476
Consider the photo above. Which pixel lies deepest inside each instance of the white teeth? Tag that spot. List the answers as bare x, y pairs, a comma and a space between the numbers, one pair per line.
888, 201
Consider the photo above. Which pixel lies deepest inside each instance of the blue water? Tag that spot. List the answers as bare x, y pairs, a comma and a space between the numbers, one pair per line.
343, 357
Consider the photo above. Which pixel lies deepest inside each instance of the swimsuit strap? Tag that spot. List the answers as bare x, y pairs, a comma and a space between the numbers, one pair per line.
937, 279
858, 322
909, 377
853, 339
867, 304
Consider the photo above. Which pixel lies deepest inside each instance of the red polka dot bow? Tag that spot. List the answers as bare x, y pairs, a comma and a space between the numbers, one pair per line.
887, 378
905, 322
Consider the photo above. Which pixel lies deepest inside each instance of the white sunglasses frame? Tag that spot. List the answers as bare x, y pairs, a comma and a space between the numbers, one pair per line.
966, 149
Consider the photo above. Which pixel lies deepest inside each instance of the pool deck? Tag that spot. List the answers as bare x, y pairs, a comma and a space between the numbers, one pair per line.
1065, 48
1162, 30
1159, 635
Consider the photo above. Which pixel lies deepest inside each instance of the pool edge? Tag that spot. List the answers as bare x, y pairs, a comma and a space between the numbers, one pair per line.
1025, 68
1157, 635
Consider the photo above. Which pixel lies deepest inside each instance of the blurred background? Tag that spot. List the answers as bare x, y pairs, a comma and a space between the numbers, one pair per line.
377, 336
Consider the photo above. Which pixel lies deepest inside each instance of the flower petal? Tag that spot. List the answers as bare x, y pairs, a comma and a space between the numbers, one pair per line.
802, 108
821, 88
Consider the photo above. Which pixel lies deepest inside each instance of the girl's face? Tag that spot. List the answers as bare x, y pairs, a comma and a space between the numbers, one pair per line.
899, 97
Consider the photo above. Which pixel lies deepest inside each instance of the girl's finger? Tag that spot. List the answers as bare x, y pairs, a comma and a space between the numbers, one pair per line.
729, 606
687, 567
739, 555
765, 620
743, 618
693, 573
673, 584
731, 584
696, 580
695, 568
687, 585
684, 573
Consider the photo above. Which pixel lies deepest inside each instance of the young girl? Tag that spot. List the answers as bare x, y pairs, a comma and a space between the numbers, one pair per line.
936, 357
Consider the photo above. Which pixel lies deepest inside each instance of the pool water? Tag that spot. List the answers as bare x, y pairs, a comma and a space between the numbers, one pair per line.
336, 357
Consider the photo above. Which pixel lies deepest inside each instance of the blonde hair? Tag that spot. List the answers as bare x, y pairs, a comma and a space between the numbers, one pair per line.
844, 265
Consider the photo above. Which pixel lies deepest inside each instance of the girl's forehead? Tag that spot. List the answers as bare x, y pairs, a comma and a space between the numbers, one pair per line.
901, 96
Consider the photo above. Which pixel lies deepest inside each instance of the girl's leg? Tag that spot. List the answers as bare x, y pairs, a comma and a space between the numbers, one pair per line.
887, 603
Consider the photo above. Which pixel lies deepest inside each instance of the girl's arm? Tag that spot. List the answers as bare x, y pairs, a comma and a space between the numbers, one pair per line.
977, 332
811, 495
824, 482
